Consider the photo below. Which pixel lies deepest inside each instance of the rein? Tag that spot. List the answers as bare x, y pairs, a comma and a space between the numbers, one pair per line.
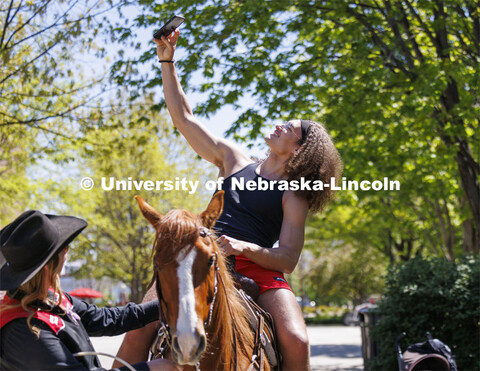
125, 363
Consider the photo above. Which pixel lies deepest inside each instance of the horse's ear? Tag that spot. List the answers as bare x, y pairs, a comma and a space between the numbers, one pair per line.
152, 215
213, 211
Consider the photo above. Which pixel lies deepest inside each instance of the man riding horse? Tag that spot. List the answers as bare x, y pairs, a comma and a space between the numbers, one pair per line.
252, 221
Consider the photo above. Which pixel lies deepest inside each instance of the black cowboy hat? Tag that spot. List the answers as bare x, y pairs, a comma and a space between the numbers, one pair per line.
29, 242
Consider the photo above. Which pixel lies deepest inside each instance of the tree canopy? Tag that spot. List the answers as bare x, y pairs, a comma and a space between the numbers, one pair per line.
48, 95
118, 240
395, 82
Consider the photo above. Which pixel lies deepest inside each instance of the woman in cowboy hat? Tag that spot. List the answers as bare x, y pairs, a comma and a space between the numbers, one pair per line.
41, 327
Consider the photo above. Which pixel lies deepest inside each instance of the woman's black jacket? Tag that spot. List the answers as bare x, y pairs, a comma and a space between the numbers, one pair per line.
21, 349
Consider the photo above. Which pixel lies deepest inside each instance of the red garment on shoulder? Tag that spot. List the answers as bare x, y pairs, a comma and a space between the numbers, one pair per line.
52, 320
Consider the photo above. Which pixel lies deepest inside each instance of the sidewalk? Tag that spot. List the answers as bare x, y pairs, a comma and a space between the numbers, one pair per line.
335, 348
332, 348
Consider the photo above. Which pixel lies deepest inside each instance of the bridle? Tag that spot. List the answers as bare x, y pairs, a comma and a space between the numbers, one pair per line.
164, 332
204, 232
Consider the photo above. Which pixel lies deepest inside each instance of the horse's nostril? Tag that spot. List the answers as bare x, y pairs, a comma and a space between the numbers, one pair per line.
201, 346
176, 345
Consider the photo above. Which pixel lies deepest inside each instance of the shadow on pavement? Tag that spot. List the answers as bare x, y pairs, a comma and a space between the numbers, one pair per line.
335, 368
336, 351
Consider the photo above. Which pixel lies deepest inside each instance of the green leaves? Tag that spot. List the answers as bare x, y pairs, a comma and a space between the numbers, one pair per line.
136, 146
431, 295
44, 91
395, 82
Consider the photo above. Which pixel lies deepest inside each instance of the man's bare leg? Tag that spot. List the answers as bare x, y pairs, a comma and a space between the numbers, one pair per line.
136, 344
291, 330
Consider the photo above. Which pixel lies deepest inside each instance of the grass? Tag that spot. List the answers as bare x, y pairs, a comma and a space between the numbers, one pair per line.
324, 315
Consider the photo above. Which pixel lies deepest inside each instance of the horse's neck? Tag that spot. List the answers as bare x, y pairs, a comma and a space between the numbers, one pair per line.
231, 332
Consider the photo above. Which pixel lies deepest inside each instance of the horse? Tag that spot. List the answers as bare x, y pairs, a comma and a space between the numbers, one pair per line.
205, 319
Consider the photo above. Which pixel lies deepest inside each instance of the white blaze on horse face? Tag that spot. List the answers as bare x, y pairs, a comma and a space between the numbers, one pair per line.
187, 316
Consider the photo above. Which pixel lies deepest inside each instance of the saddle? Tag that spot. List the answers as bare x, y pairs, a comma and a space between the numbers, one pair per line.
263, 326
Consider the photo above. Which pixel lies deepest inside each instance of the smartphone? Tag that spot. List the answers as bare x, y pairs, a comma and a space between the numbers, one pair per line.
169, 27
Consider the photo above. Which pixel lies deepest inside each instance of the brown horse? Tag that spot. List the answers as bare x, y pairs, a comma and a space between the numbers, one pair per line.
208, 324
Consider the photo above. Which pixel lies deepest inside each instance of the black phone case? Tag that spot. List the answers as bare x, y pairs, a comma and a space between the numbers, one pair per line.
169, 27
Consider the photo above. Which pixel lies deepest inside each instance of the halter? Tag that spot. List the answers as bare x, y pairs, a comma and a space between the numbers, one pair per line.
215, 289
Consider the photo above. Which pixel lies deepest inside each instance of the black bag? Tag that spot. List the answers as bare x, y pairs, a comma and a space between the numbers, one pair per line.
434, 346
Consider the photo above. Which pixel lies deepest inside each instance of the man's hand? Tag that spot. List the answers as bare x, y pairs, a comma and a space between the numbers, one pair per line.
231, 246
166, 46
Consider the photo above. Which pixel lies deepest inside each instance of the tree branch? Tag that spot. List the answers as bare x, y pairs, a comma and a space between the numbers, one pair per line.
28, 63
7, 22
55, 24
476, 26
451, 233
26, 22
59, 93
17, 10
440, 217
464, 149
470, 53
116, 243
50, 131
467, 31
422, 23
411, 37
60, 114
441, 32
385, 50
368, 6
398, 36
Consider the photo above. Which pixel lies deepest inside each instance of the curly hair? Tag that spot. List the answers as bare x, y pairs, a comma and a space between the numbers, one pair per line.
316, 159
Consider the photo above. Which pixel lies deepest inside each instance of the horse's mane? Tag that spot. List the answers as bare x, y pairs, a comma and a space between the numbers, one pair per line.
222, 327
179, 229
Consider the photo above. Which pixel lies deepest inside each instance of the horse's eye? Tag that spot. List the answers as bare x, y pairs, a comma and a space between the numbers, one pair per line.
204, 232
211, 261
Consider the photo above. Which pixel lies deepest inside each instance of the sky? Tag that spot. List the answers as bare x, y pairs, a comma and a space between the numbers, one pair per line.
217, 123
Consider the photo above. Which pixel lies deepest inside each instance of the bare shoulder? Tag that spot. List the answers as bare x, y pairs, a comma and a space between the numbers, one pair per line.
234, 158
294, 206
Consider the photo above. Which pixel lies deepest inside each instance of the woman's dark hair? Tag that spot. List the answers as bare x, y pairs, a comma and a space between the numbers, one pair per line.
316, 159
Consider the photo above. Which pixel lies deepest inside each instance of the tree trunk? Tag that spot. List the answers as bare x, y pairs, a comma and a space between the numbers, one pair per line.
470, 238
136, 295
472, 191
468, 167
404, 248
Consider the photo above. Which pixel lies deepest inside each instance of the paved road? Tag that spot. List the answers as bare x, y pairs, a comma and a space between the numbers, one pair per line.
335, 348
332, 348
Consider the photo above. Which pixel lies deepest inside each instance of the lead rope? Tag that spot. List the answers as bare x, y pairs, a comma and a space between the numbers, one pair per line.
82, 354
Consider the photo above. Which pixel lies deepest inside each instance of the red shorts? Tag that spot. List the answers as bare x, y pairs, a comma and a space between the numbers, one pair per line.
264, 278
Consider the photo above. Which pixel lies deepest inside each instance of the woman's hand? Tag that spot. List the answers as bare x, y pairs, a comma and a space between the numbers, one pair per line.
230, 246
166, 46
